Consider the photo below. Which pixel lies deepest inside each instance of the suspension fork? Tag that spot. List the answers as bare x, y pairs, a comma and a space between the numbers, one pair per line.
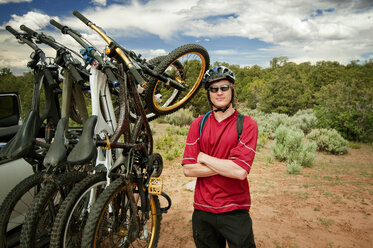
135, 220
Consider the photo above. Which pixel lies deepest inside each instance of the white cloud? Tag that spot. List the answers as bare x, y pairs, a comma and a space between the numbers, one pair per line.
34, 20
99, 2
14, 1
301, 30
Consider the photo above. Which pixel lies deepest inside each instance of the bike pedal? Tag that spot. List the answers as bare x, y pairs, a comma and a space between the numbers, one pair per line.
155, 186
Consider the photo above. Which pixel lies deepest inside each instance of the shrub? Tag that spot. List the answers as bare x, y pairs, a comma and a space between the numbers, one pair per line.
172, 145
172, 130
267, 123
294, 168
182, 117
289, 146
329, 140
262, 140
304, 119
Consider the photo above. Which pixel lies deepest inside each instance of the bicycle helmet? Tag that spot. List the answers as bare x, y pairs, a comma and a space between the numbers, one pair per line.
217, 73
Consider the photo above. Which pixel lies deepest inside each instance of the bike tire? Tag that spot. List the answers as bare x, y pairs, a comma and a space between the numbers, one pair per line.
70, 220
13, 204
41, 214
195, 61
150, 115
100, 216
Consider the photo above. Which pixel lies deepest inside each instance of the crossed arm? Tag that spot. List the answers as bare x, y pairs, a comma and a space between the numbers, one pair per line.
209, 166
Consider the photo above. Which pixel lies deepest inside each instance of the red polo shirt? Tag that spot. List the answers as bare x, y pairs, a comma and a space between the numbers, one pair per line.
219, 194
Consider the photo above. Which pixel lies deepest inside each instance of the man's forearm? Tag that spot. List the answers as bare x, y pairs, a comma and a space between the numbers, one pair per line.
198, 170
224, 167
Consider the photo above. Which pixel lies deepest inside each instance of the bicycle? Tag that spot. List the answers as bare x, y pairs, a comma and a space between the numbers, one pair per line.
98, 180
59, 183
71, 215
164, 92
26, 143
102, 108
128, 212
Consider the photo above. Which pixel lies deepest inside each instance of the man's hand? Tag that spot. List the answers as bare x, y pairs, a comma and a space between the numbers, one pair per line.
224, 167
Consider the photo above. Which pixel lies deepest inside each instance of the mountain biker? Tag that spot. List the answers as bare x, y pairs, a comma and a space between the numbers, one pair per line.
220, 159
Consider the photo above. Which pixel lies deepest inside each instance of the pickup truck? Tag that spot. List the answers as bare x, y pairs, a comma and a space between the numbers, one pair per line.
11, 171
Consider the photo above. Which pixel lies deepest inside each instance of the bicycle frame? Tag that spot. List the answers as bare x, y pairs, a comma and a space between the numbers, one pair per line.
23, 143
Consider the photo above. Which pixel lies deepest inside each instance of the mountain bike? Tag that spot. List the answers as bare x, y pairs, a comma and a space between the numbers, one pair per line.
70, 219
40, 215
164, 91
40, 123
128, 212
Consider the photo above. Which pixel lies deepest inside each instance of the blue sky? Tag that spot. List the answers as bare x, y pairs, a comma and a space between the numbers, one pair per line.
243, 32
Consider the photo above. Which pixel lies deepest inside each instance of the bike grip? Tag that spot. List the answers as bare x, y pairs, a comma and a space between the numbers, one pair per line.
11, 30
56, 24
28, 30
137, 75
81, 17
74, 72
110, 75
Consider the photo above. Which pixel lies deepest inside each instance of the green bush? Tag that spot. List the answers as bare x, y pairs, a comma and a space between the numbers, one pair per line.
172, 145
294, 168
304, 119
262, 140
267, 123
182, 117
329, 140
289, 146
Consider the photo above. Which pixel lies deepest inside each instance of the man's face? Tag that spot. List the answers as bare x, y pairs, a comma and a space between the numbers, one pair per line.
218, 96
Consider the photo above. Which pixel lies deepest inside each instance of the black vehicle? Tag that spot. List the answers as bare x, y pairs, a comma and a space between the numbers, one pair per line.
11, 171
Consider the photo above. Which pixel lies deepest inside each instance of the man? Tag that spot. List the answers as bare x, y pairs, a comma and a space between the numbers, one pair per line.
221, 159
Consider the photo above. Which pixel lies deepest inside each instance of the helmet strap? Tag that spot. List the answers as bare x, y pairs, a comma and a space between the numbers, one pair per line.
221, 109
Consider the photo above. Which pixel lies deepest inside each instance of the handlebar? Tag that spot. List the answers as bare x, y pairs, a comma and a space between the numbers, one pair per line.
39, 54
132, 68
11, 30
57, 25
92, 52
21, 38
28, 30
67, 63
81, 17
43, 38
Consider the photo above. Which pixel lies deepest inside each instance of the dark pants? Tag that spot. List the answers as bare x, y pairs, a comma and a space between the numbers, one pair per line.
214, 230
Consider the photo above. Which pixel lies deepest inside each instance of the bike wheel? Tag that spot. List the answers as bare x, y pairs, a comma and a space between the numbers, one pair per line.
154, 62
14, 207
68, 227
111, 222
42, 212
162, 99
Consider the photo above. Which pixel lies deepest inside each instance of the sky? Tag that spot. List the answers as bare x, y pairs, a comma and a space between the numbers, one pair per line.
240, 32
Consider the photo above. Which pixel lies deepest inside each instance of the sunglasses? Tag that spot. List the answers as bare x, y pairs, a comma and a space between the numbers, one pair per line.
215, 89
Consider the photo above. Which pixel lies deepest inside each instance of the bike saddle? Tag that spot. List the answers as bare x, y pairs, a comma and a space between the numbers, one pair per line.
23, 142
7, 133
85, 151
57, 151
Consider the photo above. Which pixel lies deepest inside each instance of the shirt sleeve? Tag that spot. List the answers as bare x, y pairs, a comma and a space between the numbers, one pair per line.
243, 154
192, 147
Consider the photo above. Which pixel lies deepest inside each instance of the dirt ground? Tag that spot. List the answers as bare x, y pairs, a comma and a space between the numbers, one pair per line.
328, 205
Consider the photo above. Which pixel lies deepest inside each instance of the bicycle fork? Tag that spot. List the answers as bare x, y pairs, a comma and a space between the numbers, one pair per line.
134, 227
